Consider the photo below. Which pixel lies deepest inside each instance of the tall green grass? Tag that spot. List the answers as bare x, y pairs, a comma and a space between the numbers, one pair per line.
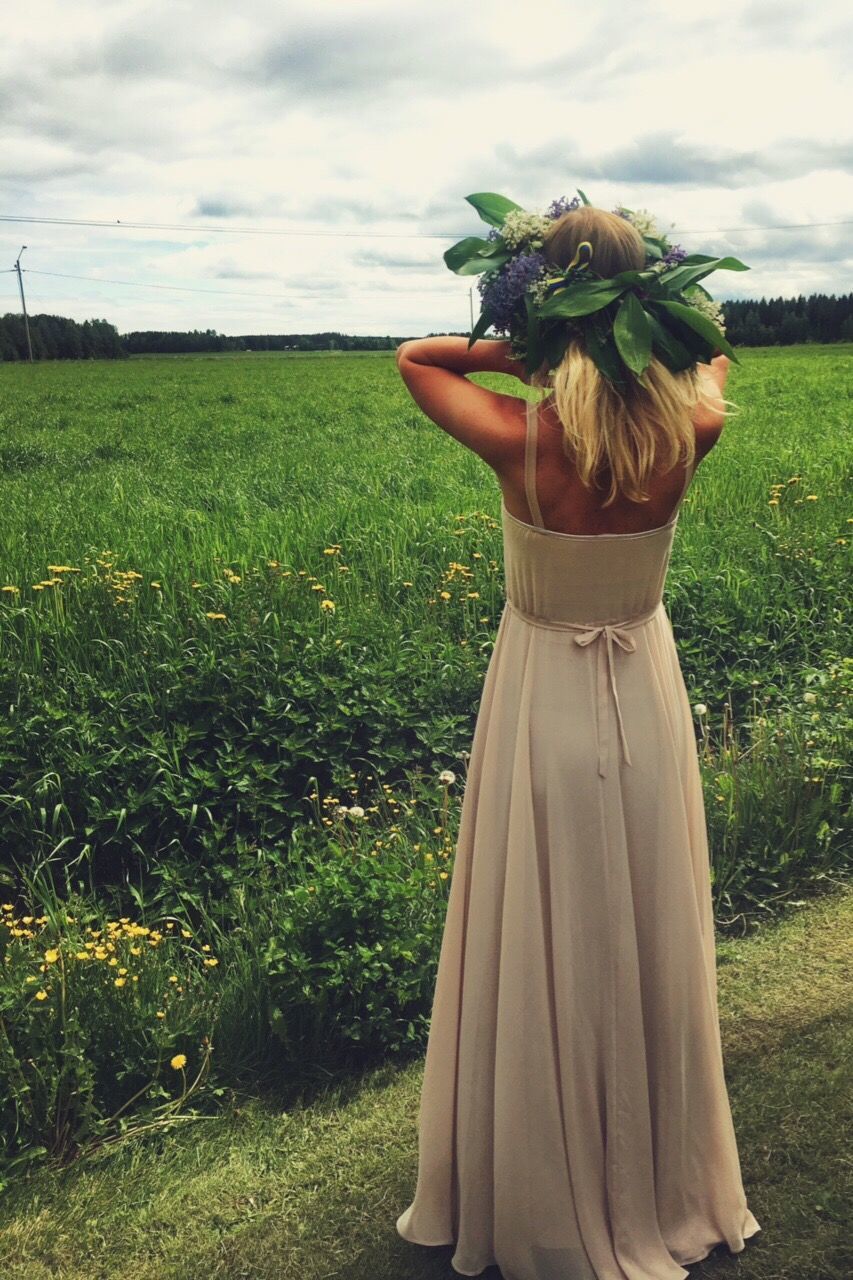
293, 524
252, 604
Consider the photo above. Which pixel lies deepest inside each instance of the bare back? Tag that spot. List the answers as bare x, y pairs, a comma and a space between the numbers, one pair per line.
566, 504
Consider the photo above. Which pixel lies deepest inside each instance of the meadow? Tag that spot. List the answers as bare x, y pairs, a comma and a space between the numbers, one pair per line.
246, 608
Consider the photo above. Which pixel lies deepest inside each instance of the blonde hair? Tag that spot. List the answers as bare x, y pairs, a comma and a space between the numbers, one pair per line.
603, 426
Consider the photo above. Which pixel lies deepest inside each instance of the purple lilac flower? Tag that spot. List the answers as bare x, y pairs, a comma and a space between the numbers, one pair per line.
503, 290
557, 208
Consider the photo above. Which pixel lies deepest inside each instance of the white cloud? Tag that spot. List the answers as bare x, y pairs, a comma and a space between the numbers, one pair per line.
354, 118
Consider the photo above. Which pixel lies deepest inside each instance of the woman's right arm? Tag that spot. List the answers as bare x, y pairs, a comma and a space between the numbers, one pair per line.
709, 410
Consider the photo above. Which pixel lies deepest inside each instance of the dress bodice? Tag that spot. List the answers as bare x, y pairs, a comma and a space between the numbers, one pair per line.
579, 579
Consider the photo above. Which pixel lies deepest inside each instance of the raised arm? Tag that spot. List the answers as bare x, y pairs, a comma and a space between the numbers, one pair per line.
487, 355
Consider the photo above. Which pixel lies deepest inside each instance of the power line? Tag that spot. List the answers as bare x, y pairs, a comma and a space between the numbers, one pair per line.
118, 224
234, 293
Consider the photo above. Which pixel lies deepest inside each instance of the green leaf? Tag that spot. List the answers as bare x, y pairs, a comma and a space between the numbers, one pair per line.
461, 253
582, 196
484, 323
492, 208
603, 352
674, 354
655, 248
494, 247
581, 299
697, 267
702, 325
555, 340
632, 333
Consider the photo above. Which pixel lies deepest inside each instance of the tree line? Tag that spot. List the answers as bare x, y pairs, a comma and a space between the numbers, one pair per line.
766, 322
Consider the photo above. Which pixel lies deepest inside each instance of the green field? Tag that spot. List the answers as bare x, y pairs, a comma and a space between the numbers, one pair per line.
138, 726
242, 594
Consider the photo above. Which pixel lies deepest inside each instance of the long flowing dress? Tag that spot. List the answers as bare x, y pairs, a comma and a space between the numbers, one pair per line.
574, 1120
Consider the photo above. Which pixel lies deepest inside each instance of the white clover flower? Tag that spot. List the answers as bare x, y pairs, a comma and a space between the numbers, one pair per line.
520, 227
707, 306
356, 811
809, 697
538, 286
447, 776
643, 221
700, 708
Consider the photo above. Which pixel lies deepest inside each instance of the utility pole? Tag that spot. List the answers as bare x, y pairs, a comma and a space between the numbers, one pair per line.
24, 302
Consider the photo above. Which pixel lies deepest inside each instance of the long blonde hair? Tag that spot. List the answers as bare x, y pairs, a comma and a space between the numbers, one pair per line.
601, 426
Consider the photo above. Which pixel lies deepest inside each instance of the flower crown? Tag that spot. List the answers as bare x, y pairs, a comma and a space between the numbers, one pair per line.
661, 308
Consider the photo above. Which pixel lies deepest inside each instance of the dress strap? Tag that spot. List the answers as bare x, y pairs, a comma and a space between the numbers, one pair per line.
530, 465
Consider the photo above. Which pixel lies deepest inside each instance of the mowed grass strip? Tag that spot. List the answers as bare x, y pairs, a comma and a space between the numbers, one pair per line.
314, 1193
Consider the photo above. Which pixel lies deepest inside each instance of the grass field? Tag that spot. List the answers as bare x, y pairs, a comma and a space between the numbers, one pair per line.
313, 1191
284, 571
246, 608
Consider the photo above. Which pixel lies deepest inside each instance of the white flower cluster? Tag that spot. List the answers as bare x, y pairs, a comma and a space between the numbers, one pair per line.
642, 220
707, 306
537, 288
520, 227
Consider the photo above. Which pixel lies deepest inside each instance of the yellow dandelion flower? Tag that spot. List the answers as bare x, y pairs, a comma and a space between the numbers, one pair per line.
211, 962
206, 946
41, 995
445, 595
160, 1013
173, 977
328, 604
51, 956
179, 1061
185, 933
81, 955
119, 982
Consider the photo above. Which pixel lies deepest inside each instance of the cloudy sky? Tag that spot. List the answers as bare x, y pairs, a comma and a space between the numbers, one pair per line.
366, 123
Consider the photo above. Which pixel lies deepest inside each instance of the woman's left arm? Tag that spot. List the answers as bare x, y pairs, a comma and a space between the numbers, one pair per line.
485, 421
485, 356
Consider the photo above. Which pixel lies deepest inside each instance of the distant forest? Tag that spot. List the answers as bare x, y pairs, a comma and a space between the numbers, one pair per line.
768, 322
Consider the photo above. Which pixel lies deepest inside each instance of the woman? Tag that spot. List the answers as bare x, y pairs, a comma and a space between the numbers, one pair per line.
574, 1120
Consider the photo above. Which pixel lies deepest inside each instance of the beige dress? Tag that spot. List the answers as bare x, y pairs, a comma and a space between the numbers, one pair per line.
574, 1122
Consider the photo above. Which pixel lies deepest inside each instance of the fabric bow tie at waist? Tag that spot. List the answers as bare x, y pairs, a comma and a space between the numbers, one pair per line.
607, 634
